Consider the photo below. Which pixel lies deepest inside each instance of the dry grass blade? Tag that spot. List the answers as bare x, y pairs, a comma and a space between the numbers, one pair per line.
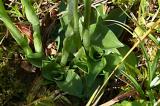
120, 97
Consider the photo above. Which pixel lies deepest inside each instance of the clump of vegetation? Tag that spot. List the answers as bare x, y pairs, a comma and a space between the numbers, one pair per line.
7, 77
11, 88
85, 49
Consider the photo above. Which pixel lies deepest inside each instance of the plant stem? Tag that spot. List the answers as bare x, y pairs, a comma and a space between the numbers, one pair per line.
86, 33
76, 19
87, 11
33, 19
72, 34
16, 34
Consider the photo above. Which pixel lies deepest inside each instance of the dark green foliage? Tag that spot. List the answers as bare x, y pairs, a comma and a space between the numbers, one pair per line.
88, 50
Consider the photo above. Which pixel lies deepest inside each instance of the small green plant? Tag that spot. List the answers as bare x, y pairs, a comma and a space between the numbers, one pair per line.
87, 49
87, 46
91, 52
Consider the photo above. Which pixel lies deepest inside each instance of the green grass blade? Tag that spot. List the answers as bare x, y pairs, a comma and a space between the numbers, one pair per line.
143, 5
134, 83
154, 65
153, 39
145, 54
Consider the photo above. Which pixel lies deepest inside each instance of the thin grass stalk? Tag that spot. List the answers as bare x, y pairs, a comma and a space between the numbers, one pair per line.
120, 24
92, 97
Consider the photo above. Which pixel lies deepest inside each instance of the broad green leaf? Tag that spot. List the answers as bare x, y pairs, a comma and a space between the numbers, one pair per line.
94, 68
101, 10
86, 38
72, 42
80, 54
64, 21
97, 82
118, 15
35, 59
96, 53
70, 45
113, 60
131, 59
52, 71
80, 60
103, 37
72, 84
111, 41
81, 65
94, 16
